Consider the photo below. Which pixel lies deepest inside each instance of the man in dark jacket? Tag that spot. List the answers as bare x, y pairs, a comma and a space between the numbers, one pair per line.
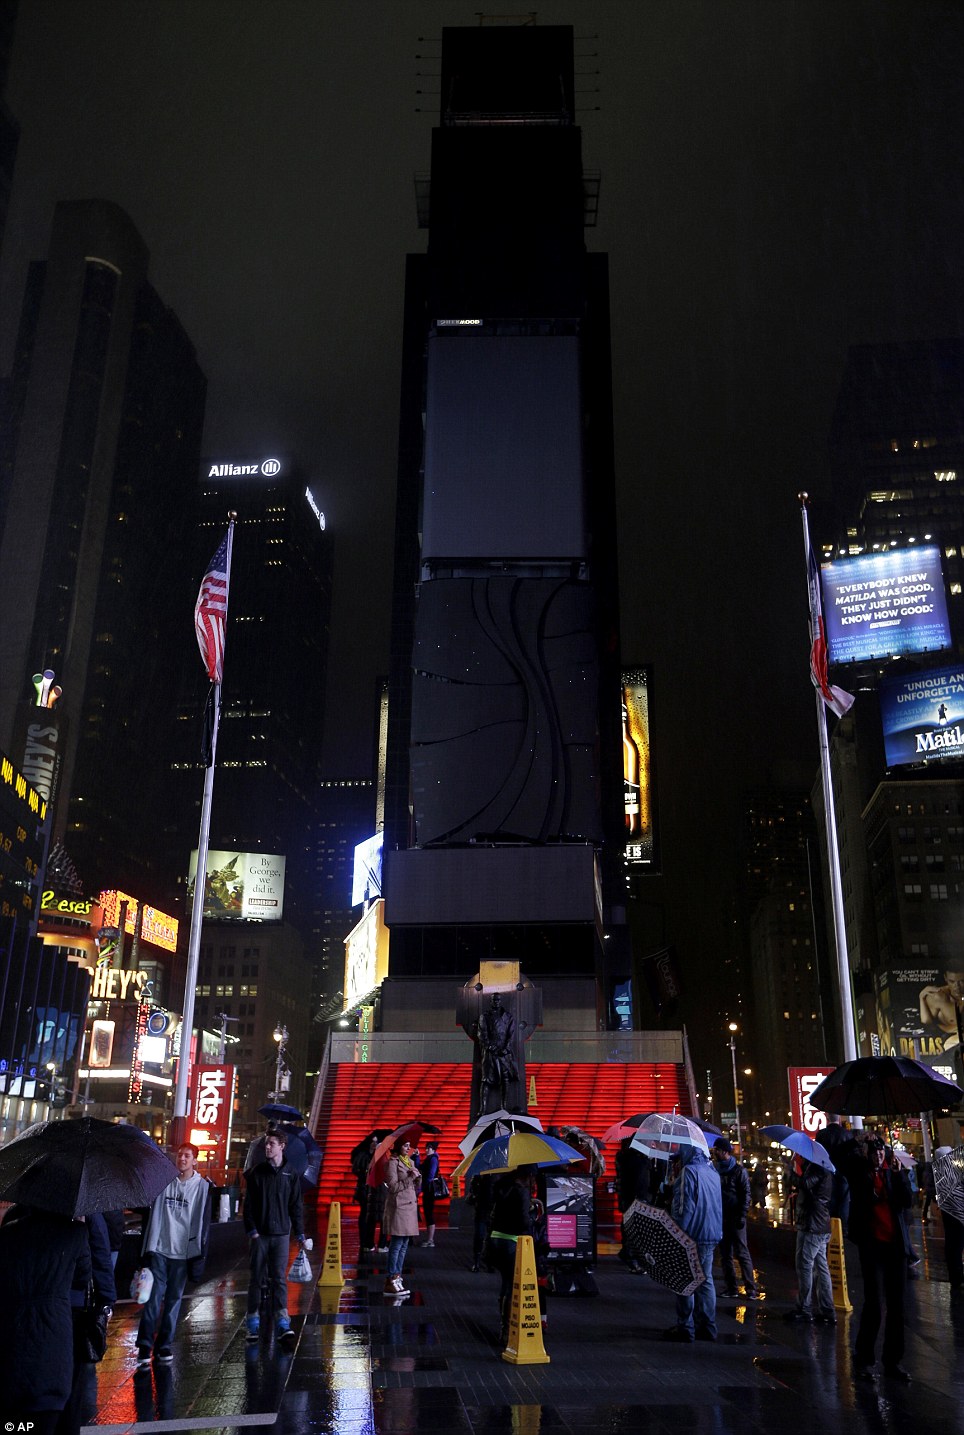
814, 1187
878, 1196
735, 1192
272, 1210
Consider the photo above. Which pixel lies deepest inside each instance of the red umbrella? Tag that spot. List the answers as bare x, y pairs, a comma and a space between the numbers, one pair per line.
627, 1127
410, 1131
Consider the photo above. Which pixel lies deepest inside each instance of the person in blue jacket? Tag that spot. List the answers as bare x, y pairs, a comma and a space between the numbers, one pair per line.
697, 1208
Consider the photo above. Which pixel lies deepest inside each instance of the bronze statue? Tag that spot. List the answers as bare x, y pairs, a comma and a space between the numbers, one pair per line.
500, 1069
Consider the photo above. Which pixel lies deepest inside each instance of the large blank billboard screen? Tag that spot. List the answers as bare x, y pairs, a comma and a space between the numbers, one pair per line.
503, 448
883, 604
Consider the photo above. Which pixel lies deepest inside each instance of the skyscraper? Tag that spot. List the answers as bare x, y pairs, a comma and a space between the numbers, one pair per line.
503, 802
107, 409
276, 651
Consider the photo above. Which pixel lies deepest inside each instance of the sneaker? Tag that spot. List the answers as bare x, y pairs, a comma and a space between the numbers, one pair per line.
283, 1329
826, 1317
399, 1286
143, 1357
677, 1332
755, 1295
252, 1327
164, 1356
803, 1316
427, 1245
389, 1288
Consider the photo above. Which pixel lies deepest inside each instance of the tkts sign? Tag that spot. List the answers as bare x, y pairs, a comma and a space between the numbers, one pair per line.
804, 1081
213, 1105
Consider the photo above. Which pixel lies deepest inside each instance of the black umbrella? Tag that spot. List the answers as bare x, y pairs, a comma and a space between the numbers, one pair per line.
664, 1251
885, 1086
277, 1111
83, 1165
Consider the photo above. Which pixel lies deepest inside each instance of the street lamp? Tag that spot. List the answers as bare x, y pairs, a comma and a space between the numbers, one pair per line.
733, 1029
282, 1075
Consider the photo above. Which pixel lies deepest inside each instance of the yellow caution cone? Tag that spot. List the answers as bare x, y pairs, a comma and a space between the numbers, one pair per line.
838, 1267
331, 1273
524, 1346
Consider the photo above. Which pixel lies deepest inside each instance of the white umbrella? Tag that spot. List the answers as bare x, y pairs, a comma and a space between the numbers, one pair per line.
949, 1180
497, 1123
663, 1135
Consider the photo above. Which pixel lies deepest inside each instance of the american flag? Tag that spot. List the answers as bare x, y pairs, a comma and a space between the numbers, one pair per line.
211, 612
836, 699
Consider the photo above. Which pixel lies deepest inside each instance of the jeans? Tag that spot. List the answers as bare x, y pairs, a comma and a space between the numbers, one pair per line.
397, 1250
269, 1262
733, 1247
163, 1306
812, 1269
703, 1299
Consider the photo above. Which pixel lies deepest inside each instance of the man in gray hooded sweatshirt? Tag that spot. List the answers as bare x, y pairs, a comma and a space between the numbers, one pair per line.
175, 1244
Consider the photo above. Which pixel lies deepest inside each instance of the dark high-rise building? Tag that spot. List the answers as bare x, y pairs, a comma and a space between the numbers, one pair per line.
276, 650
107, 406
503, 801
9, 128
346, 818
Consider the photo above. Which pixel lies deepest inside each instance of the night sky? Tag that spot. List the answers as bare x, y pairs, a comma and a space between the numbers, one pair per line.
780, 179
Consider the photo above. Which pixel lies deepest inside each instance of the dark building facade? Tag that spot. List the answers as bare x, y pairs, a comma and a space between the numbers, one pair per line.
107, 408
503, 794
276, 650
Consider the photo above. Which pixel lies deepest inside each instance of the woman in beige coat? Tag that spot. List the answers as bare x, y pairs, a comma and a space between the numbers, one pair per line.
401, 1212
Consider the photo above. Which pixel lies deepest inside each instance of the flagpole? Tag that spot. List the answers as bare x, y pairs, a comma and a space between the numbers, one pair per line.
179, 1123
833, 851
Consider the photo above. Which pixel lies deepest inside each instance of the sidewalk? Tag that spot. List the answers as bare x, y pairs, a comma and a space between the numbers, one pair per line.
365, 1364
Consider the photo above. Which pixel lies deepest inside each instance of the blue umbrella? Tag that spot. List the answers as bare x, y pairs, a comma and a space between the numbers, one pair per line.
277, 1111
800, 1144
518, 1148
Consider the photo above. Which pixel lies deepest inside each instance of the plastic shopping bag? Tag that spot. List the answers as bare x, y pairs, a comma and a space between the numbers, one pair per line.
142, 1284
300, 1269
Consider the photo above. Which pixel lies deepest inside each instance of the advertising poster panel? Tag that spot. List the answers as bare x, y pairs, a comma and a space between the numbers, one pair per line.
922, 715
638, 787
241, 886
804, 1081
882, 604
366, 883
366, 955
919, 1011
570, 1218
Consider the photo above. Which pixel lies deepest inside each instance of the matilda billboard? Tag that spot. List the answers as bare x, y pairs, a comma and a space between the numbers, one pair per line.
922, 715
244, 886
884, 604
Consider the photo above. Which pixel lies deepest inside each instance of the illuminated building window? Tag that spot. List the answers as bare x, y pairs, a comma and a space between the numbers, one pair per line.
938, 891
913, 891
950, 552
955, 587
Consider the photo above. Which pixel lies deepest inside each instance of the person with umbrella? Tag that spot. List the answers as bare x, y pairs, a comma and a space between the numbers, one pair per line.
633, 1183
511, 1218
175, 1246
814, 1187
697, 1208
42, 1256
735, 1193
403, 1180
272, 1210
878, 1197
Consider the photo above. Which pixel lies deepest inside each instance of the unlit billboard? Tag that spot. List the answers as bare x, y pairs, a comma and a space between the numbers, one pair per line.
241, 886
922, 715
882, 604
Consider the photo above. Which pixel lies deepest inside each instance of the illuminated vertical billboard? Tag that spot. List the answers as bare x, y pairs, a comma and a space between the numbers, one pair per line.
922, 715
639, 797
881, 605
244, 886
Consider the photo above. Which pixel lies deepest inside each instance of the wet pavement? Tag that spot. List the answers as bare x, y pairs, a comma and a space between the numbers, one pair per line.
364, 1364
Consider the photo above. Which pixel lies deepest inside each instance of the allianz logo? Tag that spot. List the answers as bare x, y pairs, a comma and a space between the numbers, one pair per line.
945, 737
269, 468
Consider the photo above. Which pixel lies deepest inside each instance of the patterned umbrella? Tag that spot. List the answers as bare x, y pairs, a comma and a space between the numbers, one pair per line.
949, 1181
885, 1086
665, 1252
665, 1134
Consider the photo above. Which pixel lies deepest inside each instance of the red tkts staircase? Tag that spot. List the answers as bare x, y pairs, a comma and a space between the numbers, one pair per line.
360, 1097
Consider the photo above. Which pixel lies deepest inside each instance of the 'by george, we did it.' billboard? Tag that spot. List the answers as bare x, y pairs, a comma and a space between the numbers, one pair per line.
882, 604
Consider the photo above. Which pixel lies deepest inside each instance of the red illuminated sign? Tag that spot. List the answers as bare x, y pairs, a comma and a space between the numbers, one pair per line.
804, 1081
212, 1105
